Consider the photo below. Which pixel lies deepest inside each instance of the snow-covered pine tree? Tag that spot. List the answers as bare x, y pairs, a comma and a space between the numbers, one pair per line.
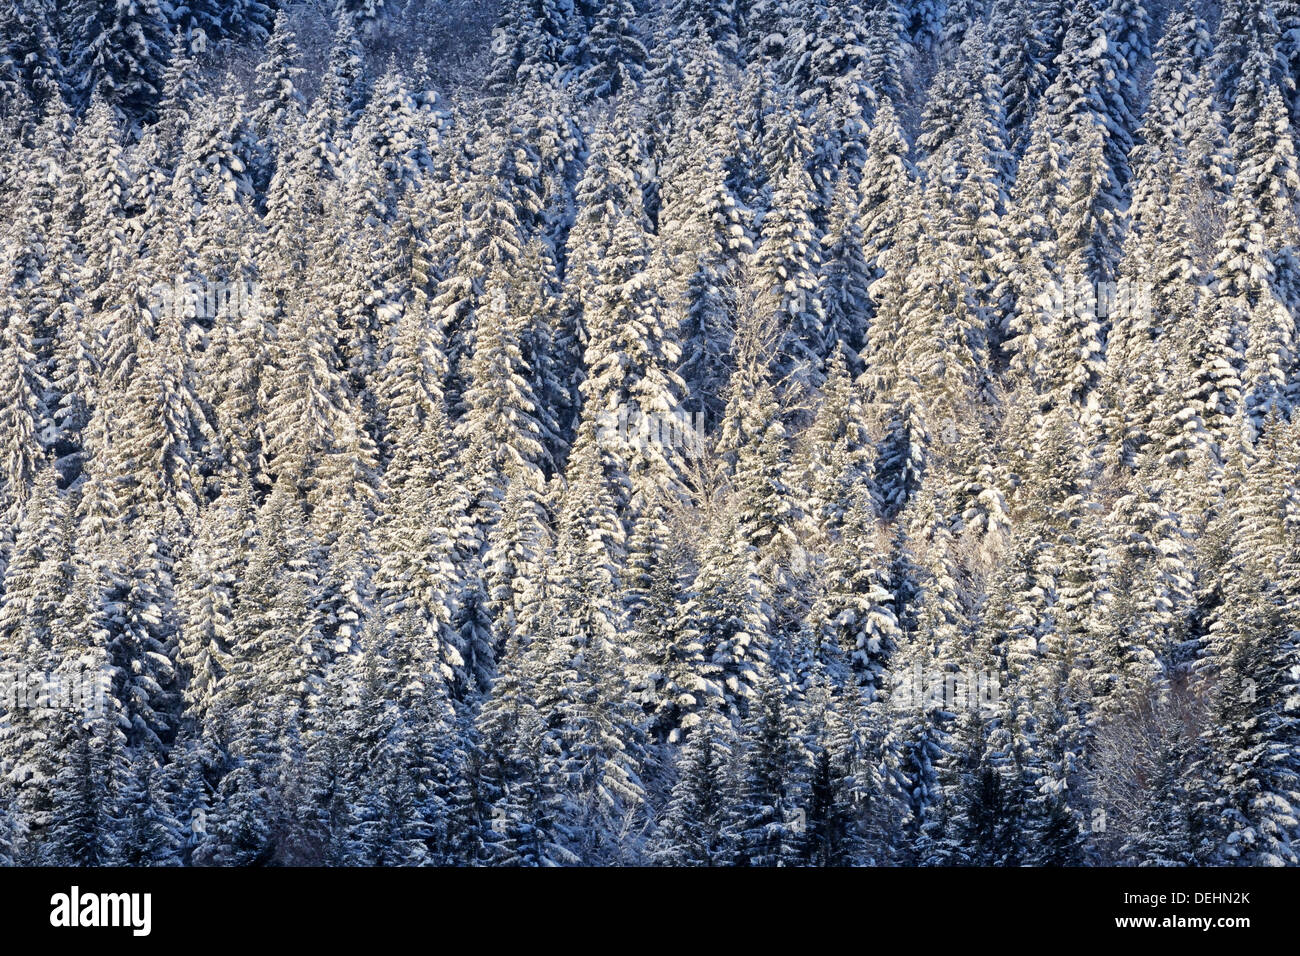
118, 53
694, 830
611, 57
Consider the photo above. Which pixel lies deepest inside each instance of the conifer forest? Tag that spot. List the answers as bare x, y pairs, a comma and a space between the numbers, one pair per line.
649, 432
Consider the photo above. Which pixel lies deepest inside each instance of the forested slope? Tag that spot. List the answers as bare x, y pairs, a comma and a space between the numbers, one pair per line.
698, 432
